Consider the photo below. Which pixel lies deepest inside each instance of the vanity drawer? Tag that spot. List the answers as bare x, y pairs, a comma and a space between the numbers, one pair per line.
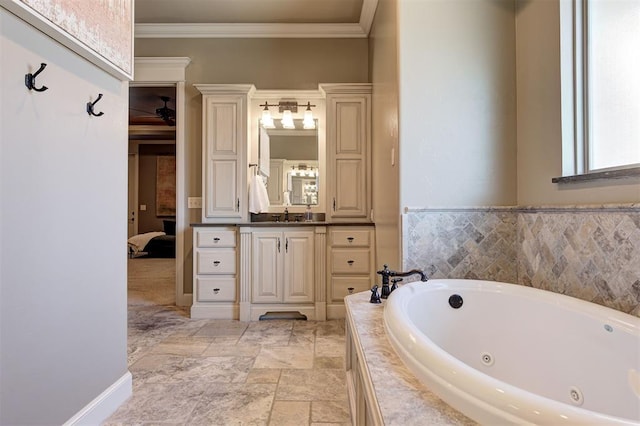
340, 286
350, 238
215, 238
221, 261
216, 289
350, 261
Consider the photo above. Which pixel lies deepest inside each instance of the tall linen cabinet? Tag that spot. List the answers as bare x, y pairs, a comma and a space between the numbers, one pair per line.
224, 152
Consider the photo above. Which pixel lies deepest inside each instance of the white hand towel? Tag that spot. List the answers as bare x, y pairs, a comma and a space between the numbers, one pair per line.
258, 196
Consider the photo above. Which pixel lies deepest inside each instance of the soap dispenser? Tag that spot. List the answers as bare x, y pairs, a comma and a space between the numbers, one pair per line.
308, 215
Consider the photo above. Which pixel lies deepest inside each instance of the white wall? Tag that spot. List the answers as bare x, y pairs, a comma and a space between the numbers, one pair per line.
386, 176
457, 102
539, 121
63, 192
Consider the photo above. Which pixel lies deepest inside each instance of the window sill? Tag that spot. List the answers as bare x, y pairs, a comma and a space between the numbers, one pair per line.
611, 174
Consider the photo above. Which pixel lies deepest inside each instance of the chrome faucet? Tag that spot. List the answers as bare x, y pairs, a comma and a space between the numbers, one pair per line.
386, 273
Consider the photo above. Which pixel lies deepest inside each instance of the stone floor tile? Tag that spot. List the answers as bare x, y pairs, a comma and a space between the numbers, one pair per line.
328, 362
285, 357
330, 345
263, 375
217, 349
222, 328
312, 385
214, 369
290, 413
186, 346
330, 411
234, 404
159, 402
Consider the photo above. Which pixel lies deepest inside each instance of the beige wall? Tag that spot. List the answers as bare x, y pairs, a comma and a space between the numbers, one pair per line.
299, 64
457, 102
384, 76
539, 121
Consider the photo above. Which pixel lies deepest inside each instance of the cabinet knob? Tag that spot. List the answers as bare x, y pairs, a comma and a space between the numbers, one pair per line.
216, 262
351, 262
216, 290
350, 239
350, 290
216, 239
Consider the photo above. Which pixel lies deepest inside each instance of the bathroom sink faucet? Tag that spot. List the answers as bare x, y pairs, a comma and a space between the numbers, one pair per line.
386, 273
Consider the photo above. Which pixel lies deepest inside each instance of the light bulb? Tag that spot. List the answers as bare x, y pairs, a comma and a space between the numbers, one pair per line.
308, 122
267, 120
287, 120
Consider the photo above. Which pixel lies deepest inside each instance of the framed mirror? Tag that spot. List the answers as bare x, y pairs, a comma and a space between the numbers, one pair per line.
289, 160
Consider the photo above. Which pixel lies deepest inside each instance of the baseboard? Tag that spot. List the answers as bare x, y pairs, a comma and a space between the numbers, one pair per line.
105, 404
215, 311
184, 299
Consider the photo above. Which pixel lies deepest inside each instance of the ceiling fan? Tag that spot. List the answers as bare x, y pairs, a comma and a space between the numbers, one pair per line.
165, 113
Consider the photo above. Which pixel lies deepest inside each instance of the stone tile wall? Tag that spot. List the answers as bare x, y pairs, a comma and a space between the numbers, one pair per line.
464, 243
592, 253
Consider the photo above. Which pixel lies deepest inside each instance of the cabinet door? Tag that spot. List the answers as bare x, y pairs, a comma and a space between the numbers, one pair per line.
348, 142
267, 248
298, 266
223, 140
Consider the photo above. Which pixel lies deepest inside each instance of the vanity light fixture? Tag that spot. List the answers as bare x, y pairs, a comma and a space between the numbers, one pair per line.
287, 108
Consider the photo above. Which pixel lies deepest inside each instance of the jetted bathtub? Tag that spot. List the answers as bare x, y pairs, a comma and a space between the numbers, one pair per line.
509, 354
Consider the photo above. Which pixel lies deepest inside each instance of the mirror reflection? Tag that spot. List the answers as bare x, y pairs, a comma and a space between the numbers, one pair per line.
289, 159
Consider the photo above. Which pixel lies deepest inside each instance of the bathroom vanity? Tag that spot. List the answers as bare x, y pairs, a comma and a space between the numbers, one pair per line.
244, 269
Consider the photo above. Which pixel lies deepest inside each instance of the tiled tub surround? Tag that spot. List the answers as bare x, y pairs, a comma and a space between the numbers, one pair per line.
588, 252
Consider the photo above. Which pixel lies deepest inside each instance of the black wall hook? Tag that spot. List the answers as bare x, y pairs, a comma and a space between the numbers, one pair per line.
30, 79
90, 106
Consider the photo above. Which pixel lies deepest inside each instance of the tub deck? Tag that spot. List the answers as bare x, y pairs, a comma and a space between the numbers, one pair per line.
401, 399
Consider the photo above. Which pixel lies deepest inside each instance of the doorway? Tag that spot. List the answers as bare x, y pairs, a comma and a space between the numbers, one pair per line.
152, 203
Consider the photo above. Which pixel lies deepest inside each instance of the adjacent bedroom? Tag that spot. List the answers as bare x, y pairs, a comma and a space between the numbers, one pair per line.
151, 243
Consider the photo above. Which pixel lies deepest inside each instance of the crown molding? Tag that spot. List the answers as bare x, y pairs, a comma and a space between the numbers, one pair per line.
237, 30
160, 68
249, 31
367, 14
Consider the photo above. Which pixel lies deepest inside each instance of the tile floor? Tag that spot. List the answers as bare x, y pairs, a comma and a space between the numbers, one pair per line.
216, 372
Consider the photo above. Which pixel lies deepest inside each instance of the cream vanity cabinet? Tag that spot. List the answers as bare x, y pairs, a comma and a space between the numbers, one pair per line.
351, 265
215, 273
282, 266
348, 151
224, 152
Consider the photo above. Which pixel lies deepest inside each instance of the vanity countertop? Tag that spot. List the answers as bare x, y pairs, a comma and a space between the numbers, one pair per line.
402, 399
286, 224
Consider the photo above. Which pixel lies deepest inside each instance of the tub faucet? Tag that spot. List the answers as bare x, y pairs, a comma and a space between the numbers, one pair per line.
386, 273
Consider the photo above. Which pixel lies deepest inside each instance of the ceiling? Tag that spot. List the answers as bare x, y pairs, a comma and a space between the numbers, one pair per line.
253, 18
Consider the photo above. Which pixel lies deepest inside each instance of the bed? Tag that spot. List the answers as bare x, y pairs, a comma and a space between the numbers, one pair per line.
161, 244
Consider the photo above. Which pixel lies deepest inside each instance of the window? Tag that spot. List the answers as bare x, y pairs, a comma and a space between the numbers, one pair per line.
600, 47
